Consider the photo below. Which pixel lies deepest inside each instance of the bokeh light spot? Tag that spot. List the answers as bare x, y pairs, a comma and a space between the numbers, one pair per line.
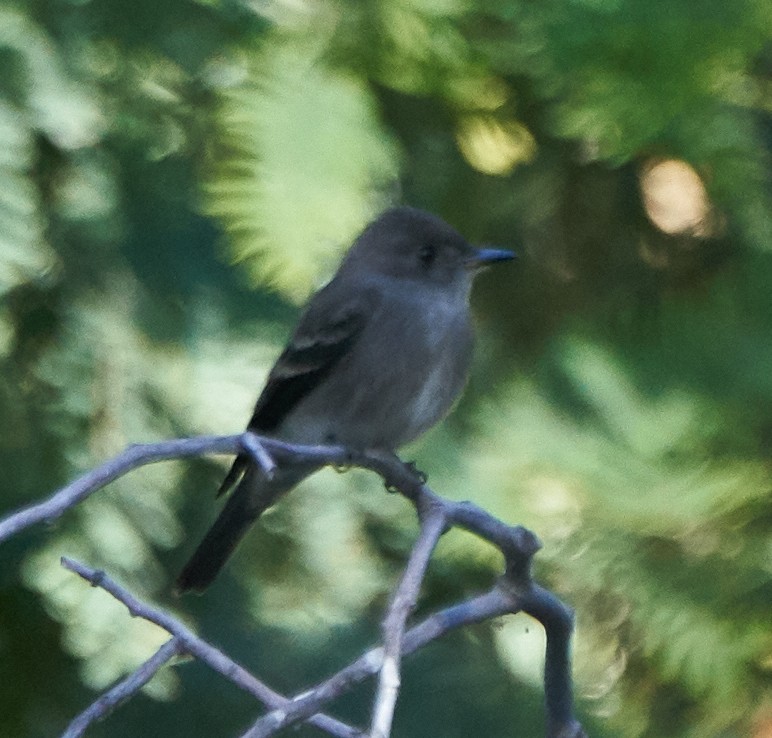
675, 198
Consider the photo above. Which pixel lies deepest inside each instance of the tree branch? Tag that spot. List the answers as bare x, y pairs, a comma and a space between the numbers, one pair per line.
264, 452
402, 605
492, 604
515, 591
124, 690
188, 642
133, 457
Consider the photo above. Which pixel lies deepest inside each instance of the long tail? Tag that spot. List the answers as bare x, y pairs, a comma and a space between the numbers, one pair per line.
253, 495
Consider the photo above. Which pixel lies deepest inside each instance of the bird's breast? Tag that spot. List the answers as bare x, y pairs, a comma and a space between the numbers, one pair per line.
400, 378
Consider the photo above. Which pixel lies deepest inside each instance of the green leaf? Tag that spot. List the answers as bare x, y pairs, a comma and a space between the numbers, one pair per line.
307, 166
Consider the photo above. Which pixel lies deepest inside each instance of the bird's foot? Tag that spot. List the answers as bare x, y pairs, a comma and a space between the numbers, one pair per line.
415, 475
421, 476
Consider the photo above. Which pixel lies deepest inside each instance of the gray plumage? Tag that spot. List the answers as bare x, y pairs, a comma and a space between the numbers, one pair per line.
380, 355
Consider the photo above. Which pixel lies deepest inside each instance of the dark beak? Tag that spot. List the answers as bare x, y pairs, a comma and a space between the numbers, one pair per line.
485, 255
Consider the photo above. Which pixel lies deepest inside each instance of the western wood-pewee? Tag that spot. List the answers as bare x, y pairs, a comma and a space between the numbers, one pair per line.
379, 356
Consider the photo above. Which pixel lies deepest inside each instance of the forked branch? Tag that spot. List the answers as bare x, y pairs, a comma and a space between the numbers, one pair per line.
514, 592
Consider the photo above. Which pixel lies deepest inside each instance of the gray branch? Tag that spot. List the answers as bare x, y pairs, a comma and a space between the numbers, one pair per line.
493, 604
124, 690
433, 521
514, 592
188, 642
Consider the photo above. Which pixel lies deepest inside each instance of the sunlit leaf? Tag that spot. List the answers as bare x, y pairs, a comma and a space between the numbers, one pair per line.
307, 166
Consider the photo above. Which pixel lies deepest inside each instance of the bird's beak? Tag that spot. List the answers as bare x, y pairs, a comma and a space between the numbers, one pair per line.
486, 255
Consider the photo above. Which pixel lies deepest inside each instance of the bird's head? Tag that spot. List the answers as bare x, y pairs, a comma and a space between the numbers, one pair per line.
411, 244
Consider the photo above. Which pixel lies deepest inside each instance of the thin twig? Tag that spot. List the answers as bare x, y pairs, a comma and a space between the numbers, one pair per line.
264, 451
252, 444
495, 603
192, 644
402, 605
133, 457
124, 689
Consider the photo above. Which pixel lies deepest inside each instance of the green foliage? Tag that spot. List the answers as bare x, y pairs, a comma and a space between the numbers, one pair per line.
648, 497
306, 158
175, 177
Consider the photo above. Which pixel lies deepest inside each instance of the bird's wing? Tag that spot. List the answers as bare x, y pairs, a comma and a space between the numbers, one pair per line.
323, 337
316, 347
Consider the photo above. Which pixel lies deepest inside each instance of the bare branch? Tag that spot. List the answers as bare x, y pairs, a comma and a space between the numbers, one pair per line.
515, 591
132, 458
252, 445
402, 605
503, 599
190, 643
558, 622
492, 604
124, 690
264, 451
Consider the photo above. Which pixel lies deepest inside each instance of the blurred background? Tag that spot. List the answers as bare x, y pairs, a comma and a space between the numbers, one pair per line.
177, 176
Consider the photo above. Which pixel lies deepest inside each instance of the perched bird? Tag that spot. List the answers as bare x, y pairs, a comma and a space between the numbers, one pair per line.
379, 356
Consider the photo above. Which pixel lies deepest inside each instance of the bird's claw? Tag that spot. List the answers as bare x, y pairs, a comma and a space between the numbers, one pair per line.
421, 476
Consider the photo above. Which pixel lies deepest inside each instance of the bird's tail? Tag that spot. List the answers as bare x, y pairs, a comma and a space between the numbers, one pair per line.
253, 495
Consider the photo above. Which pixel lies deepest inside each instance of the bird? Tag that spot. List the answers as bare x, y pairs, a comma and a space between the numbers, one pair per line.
379, 355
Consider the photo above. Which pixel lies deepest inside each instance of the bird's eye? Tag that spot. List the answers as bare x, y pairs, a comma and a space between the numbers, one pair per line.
427, 255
